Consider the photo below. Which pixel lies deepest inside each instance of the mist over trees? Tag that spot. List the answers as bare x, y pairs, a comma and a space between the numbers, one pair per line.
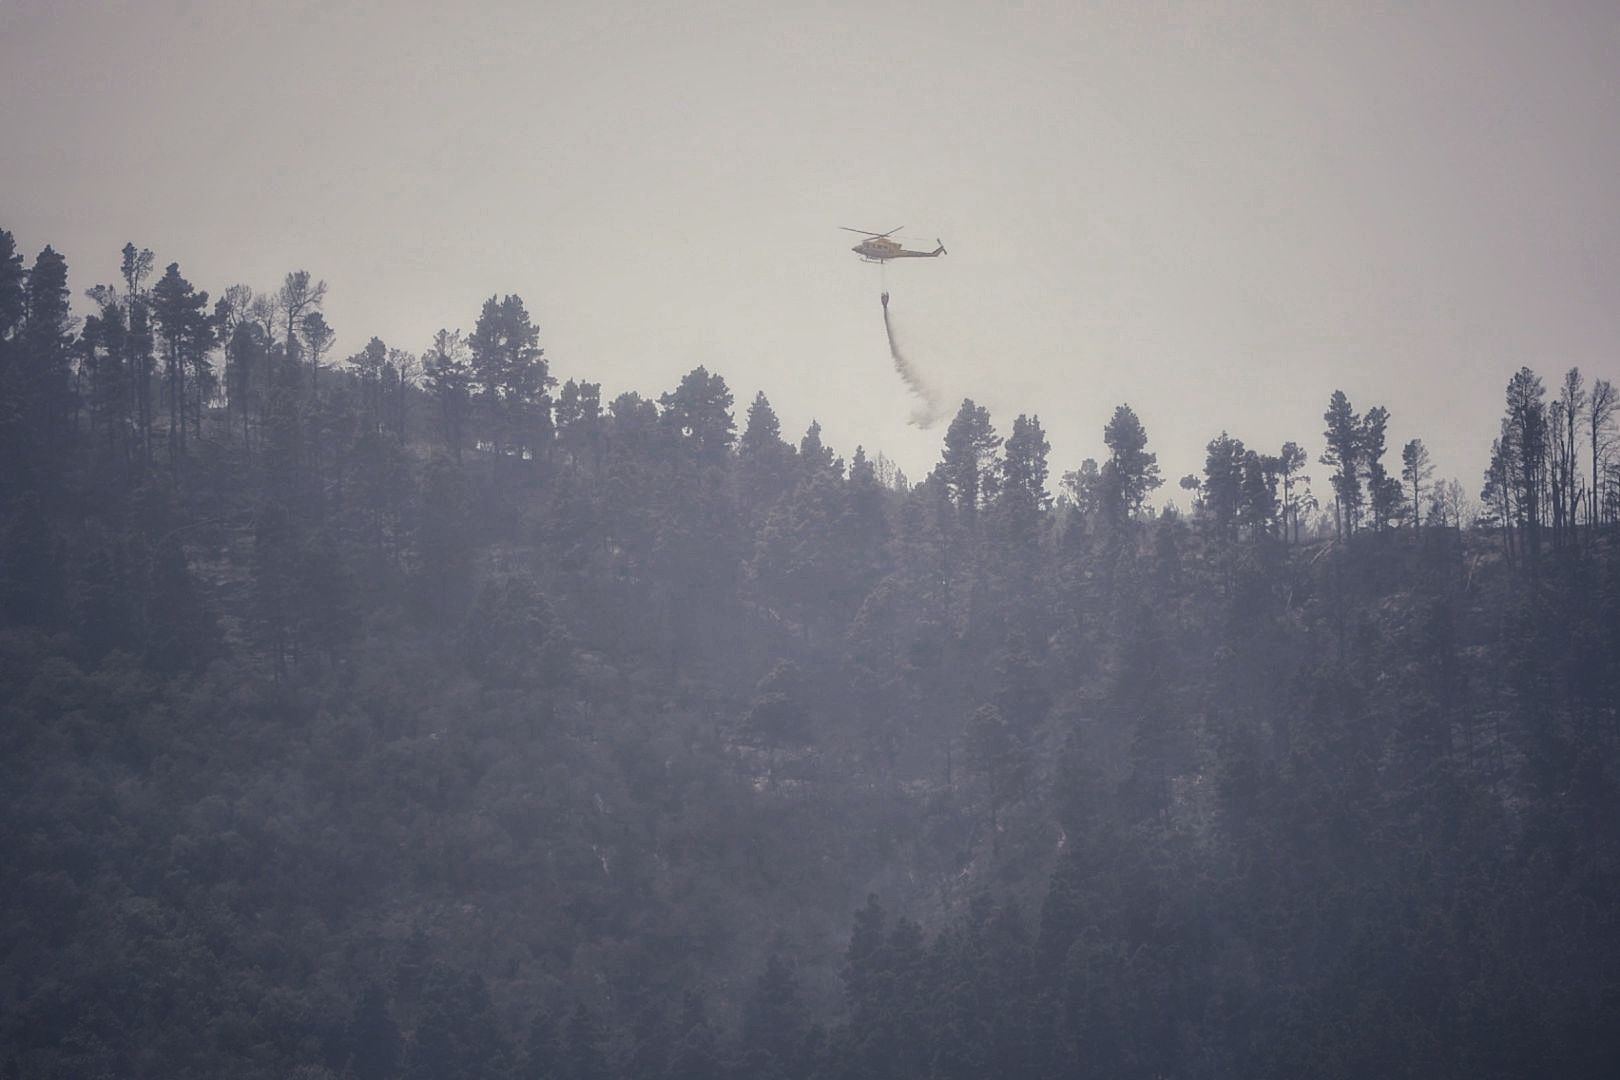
418, 715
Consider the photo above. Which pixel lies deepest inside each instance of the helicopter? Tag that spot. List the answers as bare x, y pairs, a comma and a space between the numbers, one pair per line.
878, 248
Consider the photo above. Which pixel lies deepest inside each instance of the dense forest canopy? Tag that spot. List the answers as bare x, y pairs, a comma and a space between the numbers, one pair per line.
421, 715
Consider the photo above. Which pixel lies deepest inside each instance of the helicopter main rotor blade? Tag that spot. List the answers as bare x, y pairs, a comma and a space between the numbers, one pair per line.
875, 235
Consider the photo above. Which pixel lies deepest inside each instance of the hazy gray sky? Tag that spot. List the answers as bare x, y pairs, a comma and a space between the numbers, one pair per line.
1218, 213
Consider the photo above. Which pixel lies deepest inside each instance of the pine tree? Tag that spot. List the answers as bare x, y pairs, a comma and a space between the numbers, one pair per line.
860, 972
1416, 468
139, 358
367, 365
1259, 498
1223, 483
181, 633
1289, 463
1001, 757
696, 1054
579, 423
373, 1037
187, 335
542, 1057
1344, 453
1023, 500
765, 461
13, 303
13, 403
1525, 460
248, 374
867, 523
317, 339
510, 379
773, 1015
299, 297
431, 1054
1572, 400
584, 1052
968, 465
697, 415
805, 558
449, 379
105, 606
33, 585
1084, 488
444, 548
1600, 409
1383, 491
815, 458
104, 379
511, 638
45, 361
1131, 473
1024, 471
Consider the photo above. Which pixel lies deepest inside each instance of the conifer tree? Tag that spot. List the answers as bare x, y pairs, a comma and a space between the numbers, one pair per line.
773, 1016
860, 973
45, 359
579, 423
867, 520
696, 1054
298, 298
1600, 409
1289, 463
1259, 498
449, 379
187, 335
1223, 482
1023, 499
510, 378
373, 1037
1024, 470
1344, 454
1084, 487
14, 441
697, 414
1525, 431
12, 302
105, 611
968, 464
103, 377
764, 459
1572, 400
181, 634
584, 1051
317, 339
998, 754
542, 1057
139, 360
816, 458
247, 373
779, 715
1131, 473
1416, 468
1383, 490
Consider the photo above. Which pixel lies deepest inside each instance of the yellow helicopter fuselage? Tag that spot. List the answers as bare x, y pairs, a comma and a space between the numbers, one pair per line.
881, 249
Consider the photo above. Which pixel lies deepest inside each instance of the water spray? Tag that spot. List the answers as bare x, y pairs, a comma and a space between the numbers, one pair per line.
929, 409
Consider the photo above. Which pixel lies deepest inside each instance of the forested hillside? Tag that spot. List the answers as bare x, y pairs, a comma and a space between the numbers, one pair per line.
428, 716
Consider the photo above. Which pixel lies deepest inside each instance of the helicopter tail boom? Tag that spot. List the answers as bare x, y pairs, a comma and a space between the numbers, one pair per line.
940, 250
